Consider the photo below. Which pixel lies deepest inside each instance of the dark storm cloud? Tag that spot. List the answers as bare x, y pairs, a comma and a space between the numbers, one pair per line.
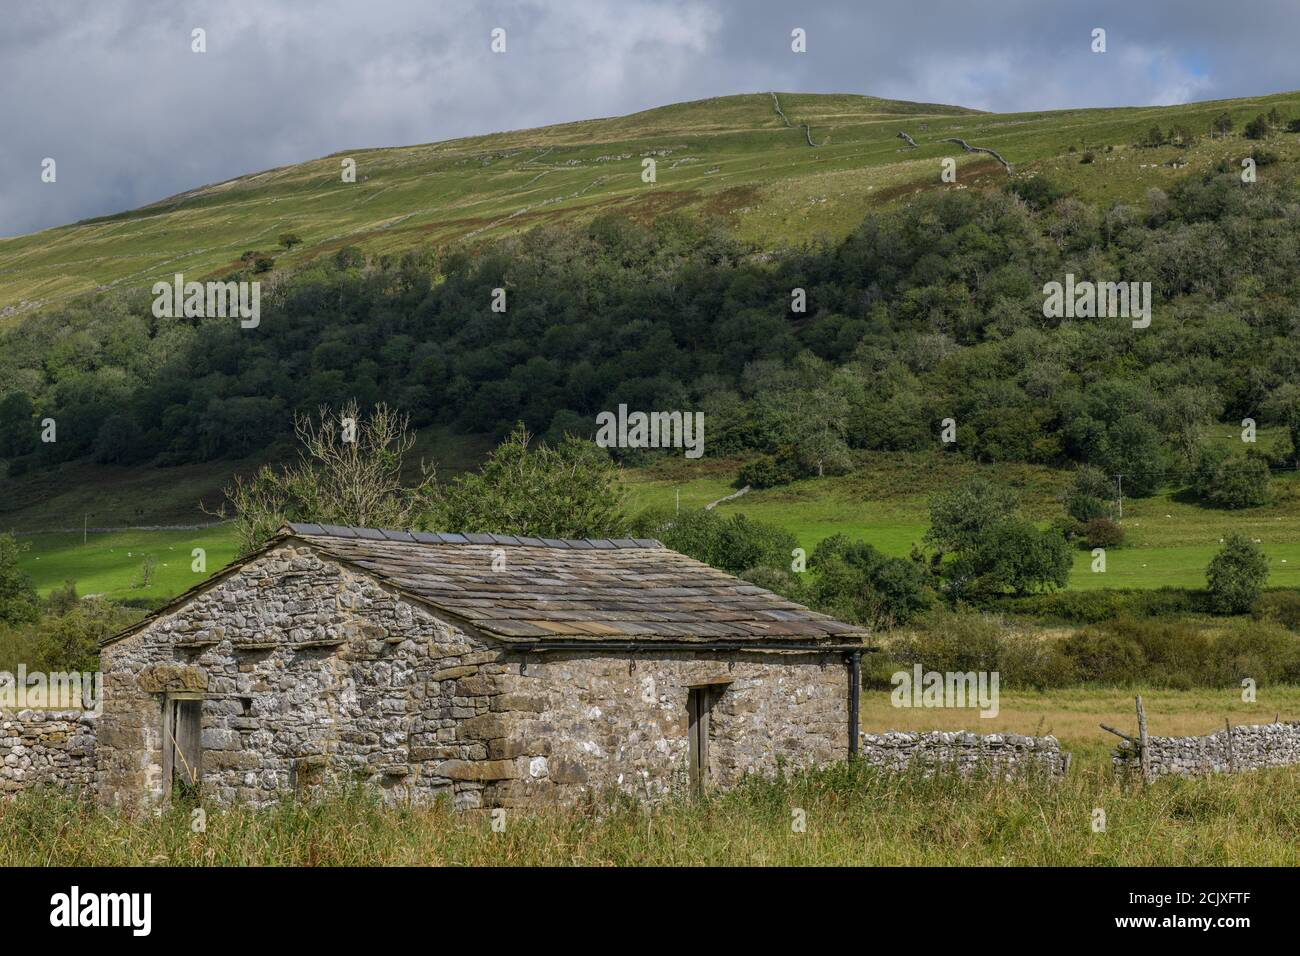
111, 91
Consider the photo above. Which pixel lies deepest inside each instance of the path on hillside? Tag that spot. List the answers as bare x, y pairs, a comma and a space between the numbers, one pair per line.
807, 130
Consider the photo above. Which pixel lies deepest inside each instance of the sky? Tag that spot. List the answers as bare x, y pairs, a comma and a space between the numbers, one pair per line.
113, 92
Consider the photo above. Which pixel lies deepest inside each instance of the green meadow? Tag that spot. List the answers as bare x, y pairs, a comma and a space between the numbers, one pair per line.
112, 564
884, 501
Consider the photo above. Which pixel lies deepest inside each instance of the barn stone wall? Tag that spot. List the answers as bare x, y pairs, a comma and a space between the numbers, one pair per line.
311, 673
576, 724
54, 748
1004, 755
1252, 748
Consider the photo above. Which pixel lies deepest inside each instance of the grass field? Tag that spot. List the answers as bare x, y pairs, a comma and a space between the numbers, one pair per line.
885, 502
110, 564
728, 156
853, 817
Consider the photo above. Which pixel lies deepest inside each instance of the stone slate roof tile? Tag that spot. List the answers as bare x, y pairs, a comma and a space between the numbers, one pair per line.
576, 590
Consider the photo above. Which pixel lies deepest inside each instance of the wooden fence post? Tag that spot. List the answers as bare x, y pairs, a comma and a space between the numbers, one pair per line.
1232, 761
1144, 756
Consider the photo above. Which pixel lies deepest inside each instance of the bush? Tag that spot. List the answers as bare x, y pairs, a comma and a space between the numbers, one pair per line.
1103, 604
1104, 658
857, 583
1037, 192
1233, 482
768, 471
1263, 157
733, 543
778, 580
1085, 508
1090, 495
19, 603
1123, 652
1257, 128
63, 599
969, 641
1265, 654
1174, 653
1103, 533
1280, 607
1236, 575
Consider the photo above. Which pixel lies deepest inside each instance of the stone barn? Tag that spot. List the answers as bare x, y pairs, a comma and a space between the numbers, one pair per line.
496, 670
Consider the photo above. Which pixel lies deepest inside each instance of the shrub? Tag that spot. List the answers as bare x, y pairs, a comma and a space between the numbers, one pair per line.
1085, 508
18, 601
63, 599
1103, 604
1264, 653
1263, 157
856, 582
1104, 658
778, 580
733, 543
1088, 157
1280, 607
970, 641
1231, 481
1236, 575
1103, 533
1037, 192
768, 471
1257, 128
1090, 494
952, 641
1174, 653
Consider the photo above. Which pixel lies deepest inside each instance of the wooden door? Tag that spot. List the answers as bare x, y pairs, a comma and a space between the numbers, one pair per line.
698, 705
185, 743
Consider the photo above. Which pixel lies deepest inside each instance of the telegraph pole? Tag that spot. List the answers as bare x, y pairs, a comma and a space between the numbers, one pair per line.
1120, 499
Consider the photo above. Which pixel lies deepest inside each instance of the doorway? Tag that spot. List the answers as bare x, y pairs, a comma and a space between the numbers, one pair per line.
699, 709
183, 744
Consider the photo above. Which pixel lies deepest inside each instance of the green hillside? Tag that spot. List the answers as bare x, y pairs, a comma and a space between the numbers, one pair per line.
731, 156
919, 312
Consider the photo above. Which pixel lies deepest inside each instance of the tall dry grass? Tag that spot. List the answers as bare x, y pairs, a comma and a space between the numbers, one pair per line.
854, 816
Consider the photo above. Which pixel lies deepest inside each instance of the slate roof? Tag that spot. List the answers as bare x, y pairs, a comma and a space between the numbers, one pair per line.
579, 590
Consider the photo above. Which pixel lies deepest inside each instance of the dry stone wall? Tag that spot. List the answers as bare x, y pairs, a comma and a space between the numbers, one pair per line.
1004, 755
52, 748
1251, 748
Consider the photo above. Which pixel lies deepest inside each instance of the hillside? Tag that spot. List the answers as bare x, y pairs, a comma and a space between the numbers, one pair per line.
731, 156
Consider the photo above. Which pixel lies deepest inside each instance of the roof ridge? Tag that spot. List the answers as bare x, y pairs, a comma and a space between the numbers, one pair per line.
447, 537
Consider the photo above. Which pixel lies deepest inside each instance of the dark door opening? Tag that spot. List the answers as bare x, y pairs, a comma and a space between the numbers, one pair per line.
699, 706
184, 743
